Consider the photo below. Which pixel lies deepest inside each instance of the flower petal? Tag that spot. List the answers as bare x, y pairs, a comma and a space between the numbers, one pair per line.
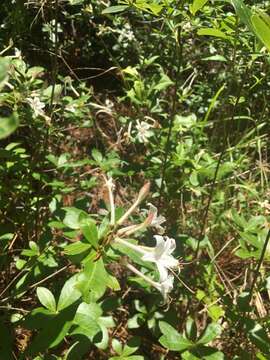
166, 286
160, 246
163, 272
149, 257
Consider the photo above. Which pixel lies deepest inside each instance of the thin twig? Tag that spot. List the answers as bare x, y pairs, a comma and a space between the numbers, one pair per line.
7, 307
257, 270
178, 53
12, 281
49, 277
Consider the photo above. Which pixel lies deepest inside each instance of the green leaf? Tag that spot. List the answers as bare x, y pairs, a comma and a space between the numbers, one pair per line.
132, 345
117, 346
46, 298
189, 356
197, 5
74, 217
4, 66
164, 83
215, 312
191, 329
105, 322
56, 90
114, 9
93, 278
215, 355
238, 219
203, 352
86, 318
97, 155
113, 283
53, 329
135, 321
171, 339
76, 2
76, 248
69, 293
261, 25
8, 125
213, 32
150, 7
212, 331
35, 71
255, 222
132, 357
258, 335
89, 230
243, 12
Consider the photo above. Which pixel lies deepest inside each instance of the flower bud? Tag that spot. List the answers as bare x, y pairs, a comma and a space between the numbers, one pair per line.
144, 191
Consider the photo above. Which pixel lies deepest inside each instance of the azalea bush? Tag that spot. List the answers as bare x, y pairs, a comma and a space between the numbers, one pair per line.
134, 180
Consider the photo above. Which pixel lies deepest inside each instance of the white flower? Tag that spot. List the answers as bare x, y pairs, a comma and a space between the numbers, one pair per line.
143, 132
36, 105
157, 219
130, 35
162, 256
166, 286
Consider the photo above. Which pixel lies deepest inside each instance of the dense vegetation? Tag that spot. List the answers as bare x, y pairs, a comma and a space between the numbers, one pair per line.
134, 167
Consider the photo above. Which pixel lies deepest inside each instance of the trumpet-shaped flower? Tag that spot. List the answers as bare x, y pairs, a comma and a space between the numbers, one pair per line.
36, 105
166, 286
143, 131
162, 256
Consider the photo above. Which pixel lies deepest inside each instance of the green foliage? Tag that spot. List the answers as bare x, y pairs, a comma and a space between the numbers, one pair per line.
174, 93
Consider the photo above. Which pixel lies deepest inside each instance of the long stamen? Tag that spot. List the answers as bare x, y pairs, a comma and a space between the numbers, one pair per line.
146, 278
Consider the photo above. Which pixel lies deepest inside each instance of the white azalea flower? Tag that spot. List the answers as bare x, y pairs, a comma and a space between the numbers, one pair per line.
143, 131
36, 105
162, 256
166, 286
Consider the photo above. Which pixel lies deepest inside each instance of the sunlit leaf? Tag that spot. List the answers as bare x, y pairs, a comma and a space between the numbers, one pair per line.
212, 331
261, 25
213, 32
196, 6
243, 12
114, 9
46, 298
171, 339
69, 293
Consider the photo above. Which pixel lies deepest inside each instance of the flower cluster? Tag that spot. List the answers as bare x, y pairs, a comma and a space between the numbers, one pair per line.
160, 255
143, 131
37, 107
